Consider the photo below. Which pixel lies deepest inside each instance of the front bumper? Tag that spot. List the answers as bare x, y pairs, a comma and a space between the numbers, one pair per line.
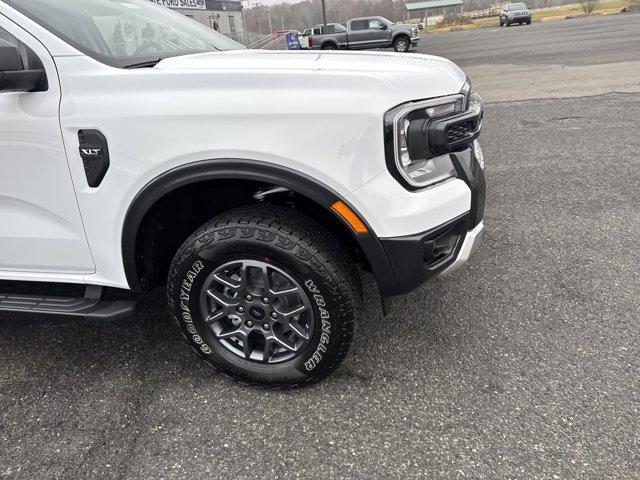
416, 258
471, 243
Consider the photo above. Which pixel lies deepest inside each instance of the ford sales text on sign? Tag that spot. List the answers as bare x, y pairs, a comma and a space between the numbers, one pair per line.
193, 4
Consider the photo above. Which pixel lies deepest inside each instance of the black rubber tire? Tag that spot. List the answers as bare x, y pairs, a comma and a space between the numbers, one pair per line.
507, 24
397, 42
329, 46
292, 242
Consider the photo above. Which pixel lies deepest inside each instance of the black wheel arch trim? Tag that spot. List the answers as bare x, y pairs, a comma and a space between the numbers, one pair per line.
401, 34
243, 169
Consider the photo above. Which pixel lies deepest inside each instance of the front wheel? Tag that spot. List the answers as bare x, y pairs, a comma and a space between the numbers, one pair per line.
401, 44
266, 296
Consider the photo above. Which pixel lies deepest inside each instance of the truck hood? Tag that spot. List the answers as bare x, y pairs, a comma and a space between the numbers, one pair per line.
402, 26
415, 76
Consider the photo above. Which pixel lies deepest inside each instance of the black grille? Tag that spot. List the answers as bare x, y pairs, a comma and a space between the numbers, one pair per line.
460, 131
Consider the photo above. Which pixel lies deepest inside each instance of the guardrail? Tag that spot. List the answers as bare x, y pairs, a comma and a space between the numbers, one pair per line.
264, 42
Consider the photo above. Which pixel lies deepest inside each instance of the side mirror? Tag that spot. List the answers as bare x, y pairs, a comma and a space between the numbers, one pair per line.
13, 76
383, 27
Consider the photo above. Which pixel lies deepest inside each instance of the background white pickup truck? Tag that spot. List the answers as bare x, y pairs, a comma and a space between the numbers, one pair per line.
178, 159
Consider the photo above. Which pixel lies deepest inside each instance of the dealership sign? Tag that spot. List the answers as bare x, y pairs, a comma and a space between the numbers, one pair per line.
190, 4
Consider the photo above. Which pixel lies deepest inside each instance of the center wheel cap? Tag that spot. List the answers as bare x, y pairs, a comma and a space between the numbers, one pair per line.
257, 313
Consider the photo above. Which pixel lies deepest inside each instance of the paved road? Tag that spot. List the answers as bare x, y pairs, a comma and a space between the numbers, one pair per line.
573, 58
524, 365
580, 41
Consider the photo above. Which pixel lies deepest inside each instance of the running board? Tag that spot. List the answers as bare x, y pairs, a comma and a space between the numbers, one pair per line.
87, 307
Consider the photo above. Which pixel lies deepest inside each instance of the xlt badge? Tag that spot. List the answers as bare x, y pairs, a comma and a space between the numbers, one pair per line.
94, 152
91, 152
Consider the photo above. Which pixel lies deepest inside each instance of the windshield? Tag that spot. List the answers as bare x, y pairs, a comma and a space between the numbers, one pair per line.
517, 6
123, 33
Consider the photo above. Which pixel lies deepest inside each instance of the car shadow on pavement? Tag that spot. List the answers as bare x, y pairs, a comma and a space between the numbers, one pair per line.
149, 340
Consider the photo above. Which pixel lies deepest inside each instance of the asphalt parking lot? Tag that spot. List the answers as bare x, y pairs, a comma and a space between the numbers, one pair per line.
523, 365
572, 58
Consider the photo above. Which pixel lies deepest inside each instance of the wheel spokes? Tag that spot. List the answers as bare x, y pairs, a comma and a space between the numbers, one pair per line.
266, 281
289, 319
227, 281
280, 340
247, 348
217, 315
298, 329
222, 299
231, 332
296, 311
257, 311
286, 291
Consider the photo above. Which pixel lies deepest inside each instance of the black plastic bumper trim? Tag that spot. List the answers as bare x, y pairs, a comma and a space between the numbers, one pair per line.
468, 169
407, 254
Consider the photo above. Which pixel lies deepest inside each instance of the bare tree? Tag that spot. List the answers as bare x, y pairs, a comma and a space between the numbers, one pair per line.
589, 6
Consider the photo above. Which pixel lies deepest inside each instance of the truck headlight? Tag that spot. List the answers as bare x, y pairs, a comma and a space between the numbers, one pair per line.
407, 141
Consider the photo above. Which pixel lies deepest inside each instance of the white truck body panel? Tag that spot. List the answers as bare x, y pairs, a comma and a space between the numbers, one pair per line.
42, 228
320, 114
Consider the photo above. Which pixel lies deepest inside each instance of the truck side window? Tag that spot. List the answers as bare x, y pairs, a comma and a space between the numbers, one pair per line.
359, 24
4, 35
374, 24
331, 28
29, 59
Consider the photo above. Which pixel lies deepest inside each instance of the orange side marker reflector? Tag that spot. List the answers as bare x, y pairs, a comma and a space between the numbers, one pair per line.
351, 218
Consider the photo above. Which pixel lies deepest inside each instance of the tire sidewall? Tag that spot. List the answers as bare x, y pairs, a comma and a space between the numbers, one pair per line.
220, 246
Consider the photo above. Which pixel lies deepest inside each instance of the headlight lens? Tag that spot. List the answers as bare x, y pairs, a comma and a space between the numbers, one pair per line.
413, 160
475, 102
422, 173
466, 88
419, 136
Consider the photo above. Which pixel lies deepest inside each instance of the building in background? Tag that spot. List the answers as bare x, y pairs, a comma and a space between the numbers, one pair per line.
431, 12
225, 16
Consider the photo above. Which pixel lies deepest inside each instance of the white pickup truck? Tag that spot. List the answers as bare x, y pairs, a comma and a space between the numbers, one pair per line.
139, 149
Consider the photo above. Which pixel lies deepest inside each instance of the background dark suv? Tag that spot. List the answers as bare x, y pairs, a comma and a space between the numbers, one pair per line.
515, 13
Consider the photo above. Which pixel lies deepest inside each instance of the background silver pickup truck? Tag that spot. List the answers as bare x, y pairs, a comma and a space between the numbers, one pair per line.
364, 32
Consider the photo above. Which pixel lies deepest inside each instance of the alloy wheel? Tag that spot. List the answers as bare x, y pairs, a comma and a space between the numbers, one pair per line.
257, 311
